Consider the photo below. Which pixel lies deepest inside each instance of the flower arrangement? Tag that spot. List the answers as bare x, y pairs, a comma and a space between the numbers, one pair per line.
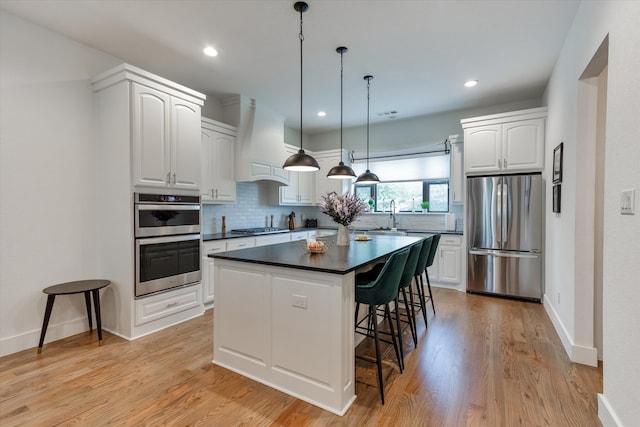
343, 209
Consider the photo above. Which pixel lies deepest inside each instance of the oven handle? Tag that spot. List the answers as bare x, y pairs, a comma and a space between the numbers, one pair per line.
168, 239
141, 207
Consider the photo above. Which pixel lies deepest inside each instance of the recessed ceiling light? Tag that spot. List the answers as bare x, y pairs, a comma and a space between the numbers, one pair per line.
321, 114
470, 83
210, 51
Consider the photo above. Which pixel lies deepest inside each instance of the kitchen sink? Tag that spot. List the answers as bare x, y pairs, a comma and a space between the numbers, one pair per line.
387, 232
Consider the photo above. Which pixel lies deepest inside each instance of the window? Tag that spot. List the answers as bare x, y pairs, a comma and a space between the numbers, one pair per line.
408, 195
408, 182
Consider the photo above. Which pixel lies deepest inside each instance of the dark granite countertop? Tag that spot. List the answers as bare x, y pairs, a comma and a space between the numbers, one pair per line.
336, 259
229, 235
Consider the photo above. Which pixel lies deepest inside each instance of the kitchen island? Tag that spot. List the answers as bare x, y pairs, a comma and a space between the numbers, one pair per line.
285, 317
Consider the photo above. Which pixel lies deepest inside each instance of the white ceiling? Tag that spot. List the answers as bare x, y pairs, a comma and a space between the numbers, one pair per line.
420, 52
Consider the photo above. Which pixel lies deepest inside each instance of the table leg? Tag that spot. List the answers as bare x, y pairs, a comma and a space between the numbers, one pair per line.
45, 323
87, 300
96, 306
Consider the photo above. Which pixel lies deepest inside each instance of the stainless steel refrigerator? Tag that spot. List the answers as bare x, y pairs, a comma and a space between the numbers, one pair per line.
505, 235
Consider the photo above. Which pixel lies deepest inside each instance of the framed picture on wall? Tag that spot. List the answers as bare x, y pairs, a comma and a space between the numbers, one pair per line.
557, 164
557, 197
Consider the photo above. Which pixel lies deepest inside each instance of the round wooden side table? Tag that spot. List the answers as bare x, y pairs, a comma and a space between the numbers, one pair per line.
81, 286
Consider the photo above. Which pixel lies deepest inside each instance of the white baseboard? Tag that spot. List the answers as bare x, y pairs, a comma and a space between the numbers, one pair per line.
577, 353
606, 413
55, 332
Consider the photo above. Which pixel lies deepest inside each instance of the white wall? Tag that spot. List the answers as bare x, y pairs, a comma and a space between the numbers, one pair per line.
47, 181
409, 133
621, 263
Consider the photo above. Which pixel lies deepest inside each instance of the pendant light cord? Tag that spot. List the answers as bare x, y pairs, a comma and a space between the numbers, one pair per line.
301, 37
341, 71
368, 96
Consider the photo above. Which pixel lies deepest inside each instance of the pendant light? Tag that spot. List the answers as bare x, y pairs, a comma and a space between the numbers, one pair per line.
301, 162
368, 177
341, 171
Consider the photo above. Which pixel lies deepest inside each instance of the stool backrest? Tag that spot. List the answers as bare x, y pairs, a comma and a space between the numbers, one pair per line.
424, 256
387, 283
412, 262
434, 248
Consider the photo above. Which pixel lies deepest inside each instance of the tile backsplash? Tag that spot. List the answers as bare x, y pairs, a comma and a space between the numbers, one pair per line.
252, 209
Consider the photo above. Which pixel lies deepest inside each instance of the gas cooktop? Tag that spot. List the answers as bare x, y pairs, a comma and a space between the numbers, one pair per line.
260, 230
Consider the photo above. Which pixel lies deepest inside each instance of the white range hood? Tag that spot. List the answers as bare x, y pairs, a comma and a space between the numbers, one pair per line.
260, 150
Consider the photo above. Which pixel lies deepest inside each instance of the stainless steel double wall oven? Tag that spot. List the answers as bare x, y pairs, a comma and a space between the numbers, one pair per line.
167, 242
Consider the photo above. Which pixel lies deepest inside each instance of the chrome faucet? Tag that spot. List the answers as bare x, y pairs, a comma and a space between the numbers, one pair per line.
392, 213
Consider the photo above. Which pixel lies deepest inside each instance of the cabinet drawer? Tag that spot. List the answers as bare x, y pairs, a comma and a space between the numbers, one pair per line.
242, 243
450, 240
299, 236
272, 239
213, 247
158, 306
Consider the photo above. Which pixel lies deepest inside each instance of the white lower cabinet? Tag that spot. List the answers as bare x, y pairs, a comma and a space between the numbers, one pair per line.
162, 305
299, 235
448, 268
449, 259
210, 247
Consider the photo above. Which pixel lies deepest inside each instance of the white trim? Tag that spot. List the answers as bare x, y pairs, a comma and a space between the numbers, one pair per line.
577, 353
55, 332
606, 413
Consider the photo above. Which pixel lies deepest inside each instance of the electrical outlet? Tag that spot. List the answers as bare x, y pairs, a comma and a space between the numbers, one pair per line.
627, 202
299, 301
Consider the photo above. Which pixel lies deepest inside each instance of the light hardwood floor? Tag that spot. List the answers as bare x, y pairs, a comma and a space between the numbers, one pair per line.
482, 362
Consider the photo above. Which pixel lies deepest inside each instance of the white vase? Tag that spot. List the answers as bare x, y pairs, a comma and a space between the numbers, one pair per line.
343, 235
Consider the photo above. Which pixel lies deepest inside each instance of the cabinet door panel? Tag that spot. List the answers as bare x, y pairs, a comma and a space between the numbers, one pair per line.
450, 257
224, 171
207, 157
151, 146
523, 145
482, 147
185, 145
456, 180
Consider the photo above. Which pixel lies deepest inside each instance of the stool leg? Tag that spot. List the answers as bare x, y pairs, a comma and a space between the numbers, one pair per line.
87, 301
410, 316
430, 294
387, 311
96, 305
45, 323
423, 301
400, 346
372, 312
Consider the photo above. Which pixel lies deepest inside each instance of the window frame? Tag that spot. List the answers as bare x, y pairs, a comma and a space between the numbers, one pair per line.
426, 183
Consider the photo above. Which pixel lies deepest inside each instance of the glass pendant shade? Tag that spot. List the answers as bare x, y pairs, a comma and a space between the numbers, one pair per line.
301, 162
341, 171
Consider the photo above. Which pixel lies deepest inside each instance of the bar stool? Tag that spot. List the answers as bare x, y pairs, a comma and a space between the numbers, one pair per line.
421, 266
432, 255
81, 286
405, 282
380, 291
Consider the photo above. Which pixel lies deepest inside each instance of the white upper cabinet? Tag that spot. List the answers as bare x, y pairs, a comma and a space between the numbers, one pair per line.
327, 160
166, 140
218, 162
456, 179
301, 188
505, 143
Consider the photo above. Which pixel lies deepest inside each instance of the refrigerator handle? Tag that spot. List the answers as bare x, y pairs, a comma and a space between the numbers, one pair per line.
506, 215
504, 254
